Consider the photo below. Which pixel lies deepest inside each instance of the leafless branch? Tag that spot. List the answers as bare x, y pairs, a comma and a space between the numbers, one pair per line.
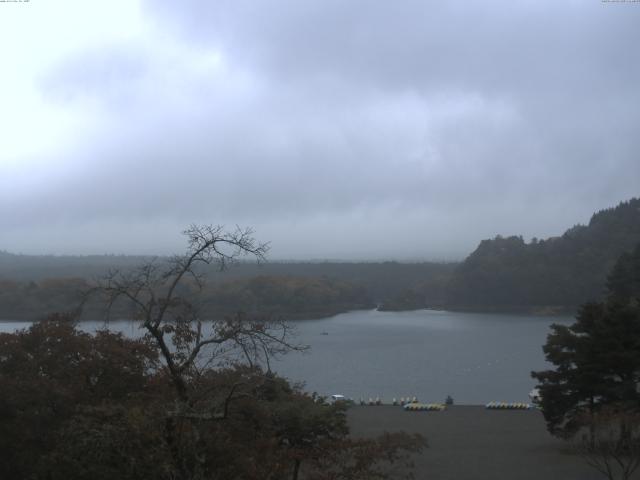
613, 443
173, 321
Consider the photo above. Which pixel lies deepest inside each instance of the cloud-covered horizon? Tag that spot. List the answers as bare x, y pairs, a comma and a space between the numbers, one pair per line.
345, 130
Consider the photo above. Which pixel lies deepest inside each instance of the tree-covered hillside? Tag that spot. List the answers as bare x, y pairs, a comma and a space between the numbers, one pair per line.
503, 274
557, 273
32, 286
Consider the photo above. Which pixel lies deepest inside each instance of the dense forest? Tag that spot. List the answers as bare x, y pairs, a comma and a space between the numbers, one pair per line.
503, 274
555, 274
381, 279
265, 296
32, 286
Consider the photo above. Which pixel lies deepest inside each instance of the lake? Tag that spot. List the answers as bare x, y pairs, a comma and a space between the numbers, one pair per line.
475, 358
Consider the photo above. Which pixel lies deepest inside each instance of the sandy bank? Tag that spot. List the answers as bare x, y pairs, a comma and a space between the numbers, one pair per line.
470, 442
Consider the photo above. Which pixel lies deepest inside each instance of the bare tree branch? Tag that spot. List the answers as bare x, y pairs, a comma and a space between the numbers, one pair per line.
153, 290
612, 446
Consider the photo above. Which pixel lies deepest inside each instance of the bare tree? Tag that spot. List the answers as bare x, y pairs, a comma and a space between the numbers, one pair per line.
612, 445
161, 295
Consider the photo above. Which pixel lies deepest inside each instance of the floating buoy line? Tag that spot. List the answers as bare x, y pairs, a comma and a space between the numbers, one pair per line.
408, 403
412, 404
425, 407
508, 406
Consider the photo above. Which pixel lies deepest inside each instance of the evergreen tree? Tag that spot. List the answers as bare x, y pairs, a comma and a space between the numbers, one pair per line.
597, 359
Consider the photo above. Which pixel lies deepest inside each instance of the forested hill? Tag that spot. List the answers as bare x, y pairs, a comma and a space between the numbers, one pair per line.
32, 286
503, 274
554, 274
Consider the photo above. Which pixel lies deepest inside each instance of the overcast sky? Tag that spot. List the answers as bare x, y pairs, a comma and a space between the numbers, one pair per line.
336, 129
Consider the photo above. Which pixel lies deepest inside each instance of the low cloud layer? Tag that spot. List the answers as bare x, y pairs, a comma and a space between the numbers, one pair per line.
344, 130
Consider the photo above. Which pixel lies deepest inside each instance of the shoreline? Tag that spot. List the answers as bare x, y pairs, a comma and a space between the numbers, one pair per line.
550, 312
541, 310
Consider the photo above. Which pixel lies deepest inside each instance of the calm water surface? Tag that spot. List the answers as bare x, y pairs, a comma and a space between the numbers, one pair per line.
473, 357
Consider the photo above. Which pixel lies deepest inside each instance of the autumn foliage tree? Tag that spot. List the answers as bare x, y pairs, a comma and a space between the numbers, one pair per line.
50, 370
77, 406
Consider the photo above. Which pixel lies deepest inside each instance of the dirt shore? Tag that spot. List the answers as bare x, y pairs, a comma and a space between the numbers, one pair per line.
470, 442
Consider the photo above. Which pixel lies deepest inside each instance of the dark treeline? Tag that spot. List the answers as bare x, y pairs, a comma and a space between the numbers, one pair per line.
287, 296
39, 267
31, 286
29, 300
265, 296
381, 279
558, 273
503, 274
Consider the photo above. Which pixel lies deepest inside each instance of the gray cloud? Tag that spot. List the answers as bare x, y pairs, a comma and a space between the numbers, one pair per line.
330, 125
